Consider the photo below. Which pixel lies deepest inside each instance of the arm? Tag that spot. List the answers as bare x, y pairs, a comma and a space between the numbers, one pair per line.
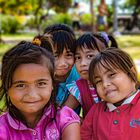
72, 102
71, 132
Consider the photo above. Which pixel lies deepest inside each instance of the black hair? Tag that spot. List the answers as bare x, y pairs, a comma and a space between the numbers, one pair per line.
44, 41
63, 37
107, 39
92, 41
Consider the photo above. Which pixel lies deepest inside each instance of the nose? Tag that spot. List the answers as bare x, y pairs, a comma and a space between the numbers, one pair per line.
106, 83
84, 62
32, 91
61, 62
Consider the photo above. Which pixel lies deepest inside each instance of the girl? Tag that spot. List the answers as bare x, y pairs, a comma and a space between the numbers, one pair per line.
117, 117
82, 92
63, 50
29, 91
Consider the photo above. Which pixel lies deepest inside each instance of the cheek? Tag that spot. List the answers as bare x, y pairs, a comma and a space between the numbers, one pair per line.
70, 62
77, 67
99, 91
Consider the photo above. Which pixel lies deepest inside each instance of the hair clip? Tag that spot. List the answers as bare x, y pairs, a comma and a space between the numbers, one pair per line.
105, 36
36, 41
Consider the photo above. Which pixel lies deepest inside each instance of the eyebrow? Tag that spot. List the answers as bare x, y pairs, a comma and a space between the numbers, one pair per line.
18, 82
104, 73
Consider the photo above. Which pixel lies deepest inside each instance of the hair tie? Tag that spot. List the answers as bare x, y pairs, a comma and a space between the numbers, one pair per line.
105, 36
36, 41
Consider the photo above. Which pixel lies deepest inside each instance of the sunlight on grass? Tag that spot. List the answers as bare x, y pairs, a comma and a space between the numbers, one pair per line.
130, 44
18, 37
126, 41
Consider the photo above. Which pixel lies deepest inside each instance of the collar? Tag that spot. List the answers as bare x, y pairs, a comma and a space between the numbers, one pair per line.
129, 100
49, 113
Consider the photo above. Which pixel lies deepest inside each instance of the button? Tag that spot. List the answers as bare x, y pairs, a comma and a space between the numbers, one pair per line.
34, 133
115, 122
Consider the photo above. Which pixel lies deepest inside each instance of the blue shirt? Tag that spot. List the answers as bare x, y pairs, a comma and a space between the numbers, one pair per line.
63, 92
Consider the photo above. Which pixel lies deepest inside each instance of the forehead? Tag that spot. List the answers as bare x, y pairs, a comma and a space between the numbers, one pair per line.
65, 50
30, 71
85, 49
104, 66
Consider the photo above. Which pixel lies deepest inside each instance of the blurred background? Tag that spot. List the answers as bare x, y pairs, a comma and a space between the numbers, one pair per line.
22, 20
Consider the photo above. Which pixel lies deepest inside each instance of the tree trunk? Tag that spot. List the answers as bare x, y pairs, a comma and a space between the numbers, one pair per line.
92, 15
115, 25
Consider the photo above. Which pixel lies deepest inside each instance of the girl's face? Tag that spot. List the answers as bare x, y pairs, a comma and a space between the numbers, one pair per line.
31, 89
63, 64
83, 58
113, 86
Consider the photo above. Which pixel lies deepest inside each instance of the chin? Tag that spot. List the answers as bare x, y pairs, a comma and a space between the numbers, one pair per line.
85, 77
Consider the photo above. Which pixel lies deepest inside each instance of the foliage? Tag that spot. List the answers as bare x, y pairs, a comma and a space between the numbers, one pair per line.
9, 24
17, 7
86, 19
58, 18
60, 5
131, 4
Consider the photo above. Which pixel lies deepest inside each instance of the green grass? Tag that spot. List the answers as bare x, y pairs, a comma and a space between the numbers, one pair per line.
130, 44
18, 36
14, 39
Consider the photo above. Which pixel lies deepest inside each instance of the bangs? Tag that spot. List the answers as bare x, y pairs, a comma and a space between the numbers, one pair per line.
107, 64
63, 40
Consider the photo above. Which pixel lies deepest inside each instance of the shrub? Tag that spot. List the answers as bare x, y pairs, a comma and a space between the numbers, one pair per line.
58, 18
9, 24
86, 19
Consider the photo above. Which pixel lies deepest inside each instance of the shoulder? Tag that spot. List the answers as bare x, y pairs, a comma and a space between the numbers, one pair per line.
4, 127
98, 107
3, 118
66, 116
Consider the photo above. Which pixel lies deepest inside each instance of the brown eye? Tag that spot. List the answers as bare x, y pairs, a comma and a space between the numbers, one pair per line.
20, 86
42, 84
77, 57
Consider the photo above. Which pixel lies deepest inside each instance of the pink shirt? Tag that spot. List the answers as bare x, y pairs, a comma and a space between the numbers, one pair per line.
47, 128
123, 123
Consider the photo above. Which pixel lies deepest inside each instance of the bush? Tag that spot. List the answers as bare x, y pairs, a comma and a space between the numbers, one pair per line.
55, 19
86, 19
9, 24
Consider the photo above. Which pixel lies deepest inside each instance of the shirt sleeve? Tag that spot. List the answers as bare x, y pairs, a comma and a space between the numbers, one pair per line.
3, 131
73, 90
87, 126
65, 117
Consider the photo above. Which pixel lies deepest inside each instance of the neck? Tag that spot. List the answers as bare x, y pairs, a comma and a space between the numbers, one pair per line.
33, 119
60, 79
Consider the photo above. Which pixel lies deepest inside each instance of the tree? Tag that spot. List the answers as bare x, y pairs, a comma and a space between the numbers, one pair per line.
136, 11
92, 15
17, 7
60, 5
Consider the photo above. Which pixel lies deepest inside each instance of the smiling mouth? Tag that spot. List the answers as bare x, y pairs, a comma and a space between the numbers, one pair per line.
30, 102
110, 93
84, 71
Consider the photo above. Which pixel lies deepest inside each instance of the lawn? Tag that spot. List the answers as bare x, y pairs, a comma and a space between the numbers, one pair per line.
130, 44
